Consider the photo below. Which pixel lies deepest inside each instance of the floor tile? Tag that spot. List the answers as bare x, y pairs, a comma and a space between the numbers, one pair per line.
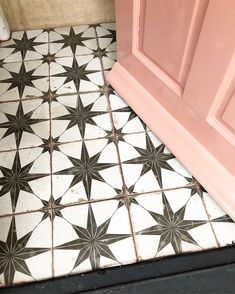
223, 225
24, 180
106, 33
147, 164
75, 40
92, 236
170, 222
108, 59
23, 124
125, 119
80, 116
25, 248
24, 45
76, 74
86, 170
22, 80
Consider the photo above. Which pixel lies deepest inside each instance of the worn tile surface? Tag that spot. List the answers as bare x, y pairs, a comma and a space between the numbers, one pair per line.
84, 183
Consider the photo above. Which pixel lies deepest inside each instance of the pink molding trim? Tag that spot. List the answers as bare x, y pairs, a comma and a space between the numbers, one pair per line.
183, 141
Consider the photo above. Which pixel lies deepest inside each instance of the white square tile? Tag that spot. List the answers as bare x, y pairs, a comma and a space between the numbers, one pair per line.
80, 116
23, 124
24, 180
97, 236
76, 74
26, 248
86, 170
170, 223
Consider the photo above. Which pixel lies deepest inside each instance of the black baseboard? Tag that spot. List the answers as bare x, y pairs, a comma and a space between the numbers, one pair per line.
211, 271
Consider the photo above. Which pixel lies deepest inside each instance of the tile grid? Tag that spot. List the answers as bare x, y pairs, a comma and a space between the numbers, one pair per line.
105, 91
125, 195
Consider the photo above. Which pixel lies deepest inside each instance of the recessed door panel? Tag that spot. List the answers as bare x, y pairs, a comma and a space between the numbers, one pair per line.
169, 33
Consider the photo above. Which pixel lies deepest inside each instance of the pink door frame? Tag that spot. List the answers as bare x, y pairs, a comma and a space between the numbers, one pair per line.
157, 99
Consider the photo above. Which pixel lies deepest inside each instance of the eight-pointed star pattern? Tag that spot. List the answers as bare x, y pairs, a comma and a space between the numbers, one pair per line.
172, 227
80, 116
76, 73
19, 123
85, 170
24, 44
22, 79
14, 253
93, 241
72, 40
152, 158
17, 179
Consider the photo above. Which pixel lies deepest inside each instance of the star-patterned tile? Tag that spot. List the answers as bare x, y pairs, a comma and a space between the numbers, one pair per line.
170, 222
223, 225
148, 165
92, 236
86, 170
76, 74
20, 80
80, 116
24, 180
25, 249
24, 45
23, 124
75, 40
84, 183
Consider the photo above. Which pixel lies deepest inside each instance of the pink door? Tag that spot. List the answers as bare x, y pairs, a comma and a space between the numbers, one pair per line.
176, 69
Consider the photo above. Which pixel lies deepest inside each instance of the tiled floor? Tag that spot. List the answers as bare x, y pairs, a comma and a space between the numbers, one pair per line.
84, 183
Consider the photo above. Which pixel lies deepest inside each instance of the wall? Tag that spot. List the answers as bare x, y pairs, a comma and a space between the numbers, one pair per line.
34, 14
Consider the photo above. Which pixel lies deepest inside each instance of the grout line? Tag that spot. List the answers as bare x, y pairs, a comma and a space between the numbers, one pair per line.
84, 201
63, 143
50, 152
28, 97
133, 232
62, 206
209, 219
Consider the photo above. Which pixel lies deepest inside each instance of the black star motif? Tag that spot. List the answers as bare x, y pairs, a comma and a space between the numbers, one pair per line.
19, 123
52, 208
49, 96
93, 241
85, 169
24, 45
115, 135
75, 73
152, 158
80, 116
48, 58
21, 79
16, 179
172, 227
13, 254
72, 40
50, 144
196, 187
129, 198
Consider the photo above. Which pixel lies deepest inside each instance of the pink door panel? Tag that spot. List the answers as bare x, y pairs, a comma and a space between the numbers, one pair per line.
176, 67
